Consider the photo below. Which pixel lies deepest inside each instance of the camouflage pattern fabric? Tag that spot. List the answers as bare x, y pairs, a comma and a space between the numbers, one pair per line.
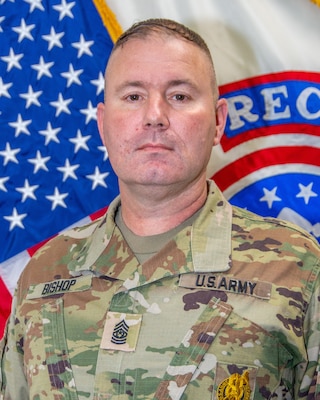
228, 309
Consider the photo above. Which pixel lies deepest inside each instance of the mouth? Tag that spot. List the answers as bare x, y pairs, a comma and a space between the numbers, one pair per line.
154, 147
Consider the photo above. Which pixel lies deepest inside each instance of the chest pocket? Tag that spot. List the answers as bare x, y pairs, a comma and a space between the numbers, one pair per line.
243, 362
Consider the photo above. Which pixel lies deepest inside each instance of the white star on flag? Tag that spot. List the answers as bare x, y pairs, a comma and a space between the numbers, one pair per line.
31, 97
72, 76
83, 46
105, 152
98, 178
64, 9
39, 162
53, 38
20, 126
50, 134
43, 68
9, 154
27, 191
68, 170
4, 88
12, 60
24, 31
2, 182
57, 199
90, 112
15, 219
99, 83
80, 141
61, 105
35, 4
1, 19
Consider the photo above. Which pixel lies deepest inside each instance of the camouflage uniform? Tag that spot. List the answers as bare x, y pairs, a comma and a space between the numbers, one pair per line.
228, 309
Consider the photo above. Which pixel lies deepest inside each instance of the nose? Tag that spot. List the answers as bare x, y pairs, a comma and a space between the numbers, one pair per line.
156, 113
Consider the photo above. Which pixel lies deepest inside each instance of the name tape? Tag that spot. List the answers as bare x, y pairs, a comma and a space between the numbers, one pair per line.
59, 286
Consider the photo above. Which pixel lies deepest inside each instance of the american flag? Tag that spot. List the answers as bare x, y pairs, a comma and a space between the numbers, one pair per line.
55, 171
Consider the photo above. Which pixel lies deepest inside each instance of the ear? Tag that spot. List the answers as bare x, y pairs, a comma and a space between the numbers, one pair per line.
221, 119
100, 119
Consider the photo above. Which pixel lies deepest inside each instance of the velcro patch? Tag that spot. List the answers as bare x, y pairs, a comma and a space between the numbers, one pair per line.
225, 283
60, 286
121, 331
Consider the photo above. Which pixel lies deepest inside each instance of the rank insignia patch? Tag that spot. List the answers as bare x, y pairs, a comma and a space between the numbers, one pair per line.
121, 331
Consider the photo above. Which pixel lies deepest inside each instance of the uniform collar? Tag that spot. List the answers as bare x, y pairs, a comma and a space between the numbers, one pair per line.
204, 247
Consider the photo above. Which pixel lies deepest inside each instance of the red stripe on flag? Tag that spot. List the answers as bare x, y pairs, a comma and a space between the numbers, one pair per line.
227, 143
5, 306
244, 166
268, 78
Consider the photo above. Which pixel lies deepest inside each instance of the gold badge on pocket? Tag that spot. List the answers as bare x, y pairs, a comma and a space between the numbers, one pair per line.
236, 387
121, 331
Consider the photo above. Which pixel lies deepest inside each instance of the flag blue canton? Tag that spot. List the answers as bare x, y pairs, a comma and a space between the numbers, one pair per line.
54, 168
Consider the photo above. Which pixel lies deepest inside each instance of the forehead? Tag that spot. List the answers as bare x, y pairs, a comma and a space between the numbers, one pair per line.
160, 53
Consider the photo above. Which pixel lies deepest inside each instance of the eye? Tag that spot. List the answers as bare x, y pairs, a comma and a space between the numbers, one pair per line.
180, 97
133, 97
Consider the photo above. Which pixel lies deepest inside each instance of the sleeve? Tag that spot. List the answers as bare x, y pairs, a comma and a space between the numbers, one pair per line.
13, 381
309, 377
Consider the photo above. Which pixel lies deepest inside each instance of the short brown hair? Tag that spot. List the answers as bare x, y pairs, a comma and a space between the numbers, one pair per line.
145, 28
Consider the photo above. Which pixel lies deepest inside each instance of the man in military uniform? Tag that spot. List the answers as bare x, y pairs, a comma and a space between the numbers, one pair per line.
174, 293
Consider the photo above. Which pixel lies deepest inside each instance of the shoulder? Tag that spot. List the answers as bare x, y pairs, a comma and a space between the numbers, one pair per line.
52, 259
256, 232
245, 218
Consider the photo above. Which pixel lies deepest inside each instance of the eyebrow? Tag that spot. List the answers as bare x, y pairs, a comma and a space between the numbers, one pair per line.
141, 84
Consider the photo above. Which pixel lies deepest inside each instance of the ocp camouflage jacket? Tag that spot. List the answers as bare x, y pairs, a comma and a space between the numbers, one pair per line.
228, 309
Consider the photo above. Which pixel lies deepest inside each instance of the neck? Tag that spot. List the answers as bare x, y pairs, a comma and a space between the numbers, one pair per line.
150, 211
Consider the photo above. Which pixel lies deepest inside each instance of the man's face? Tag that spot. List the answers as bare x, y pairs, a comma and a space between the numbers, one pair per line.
159, 118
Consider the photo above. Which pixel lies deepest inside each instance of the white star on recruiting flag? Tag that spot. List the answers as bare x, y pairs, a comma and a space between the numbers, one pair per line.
306, 192
54, 170
270, 196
